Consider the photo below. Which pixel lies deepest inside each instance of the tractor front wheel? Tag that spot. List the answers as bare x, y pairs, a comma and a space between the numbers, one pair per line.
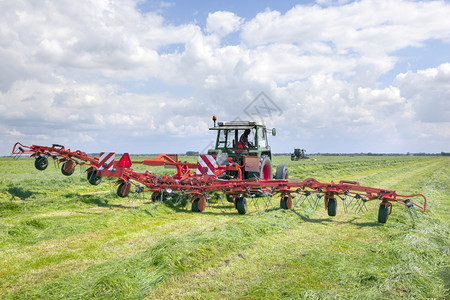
282, 172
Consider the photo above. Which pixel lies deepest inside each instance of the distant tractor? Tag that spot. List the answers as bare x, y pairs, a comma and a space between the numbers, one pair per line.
299, 153
245, 143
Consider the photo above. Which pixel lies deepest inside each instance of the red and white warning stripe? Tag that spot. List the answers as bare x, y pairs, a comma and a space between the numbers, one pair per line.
207, 162
106, 161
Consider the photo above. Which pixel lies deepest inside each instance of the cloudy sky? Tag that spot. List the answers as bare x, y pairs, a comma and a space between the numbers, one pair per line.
144, 76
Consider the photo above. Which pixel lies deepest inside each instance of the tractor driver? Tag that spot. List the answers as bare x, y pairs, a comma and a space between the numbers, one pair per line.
244, 139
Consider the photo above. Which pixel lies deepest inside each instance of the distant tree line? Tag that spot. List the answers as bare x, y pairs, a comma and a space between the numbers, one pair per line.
196, 153
192, 153
370, 154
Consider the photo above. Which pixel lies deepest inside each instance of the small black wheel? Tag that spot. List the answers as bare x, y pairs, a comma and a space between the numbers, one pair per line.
332, 206
283, 204
282, 172
41, 163
124, 189
229, 198
194, 207
241, 205
156, 196
286, 202
93, 178
383, 213
199, 204
68, 168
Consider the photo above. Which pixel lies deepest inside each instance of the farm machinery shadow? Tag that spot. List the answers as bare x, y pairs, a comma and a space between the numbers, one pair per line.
353, 221
20, 193
100, 202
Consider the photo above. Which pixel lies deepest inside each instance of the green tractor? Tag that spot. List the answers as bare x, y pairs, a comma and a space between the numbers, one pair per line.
245, 143
299, 153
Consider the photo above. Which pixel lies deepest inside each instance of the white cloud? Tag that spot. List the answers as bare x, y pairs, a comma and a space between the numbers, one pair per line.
365, 27
429, 93
70, 72
222, 23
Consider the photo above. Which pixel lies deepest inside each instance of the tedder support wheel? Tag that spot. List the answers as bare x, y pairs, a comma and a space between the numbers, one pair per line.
93, 178
41, 163
155, 196
383, 213
282, 172
199, 204
124, 189
286, 202
241, 205
68, 168
332, 205
229, 198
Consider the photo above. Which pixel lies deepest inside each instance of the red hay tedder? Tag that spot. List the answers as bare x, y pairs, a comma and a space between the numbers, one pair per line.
239, 167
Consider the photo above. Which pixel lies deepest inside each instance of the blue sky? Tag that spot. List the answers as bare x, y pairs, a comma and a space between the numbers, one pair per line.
182, 12
146, 76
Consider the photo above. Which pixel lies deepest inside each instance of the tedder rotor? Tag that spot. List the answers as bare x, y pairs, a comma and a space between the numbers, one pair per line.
239, 167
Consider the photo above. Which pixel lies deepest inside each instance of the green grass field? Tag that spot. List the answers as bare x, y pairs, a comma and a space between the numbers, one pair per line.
61, 237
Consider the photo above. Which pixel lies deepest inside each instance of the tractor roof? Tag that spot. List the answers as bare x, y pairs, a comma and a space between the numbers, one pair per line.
237, 125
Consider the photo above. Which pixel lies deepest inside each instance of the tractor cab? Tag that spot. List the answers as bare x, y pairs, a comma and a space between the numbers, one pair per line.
251, 151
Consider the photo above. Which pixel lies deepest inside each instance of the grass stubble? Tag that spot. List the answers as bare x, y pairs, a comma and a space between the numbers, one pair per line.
61, 237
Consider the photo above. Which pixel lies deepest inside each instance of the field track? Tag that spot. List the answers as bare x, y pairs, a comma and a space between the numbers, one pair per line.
63, 238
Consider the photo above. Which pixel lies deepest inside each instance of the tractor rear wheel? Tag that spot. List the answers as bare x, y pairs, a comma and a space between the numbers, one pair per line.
332, 206
241, 205
68, 168
93, 178
282, 172
383, 213
265, 168
41, 163
124, 189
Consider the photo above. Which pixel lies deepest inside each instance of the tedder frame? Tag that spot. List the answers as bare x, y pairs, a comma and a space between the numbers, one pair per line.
214, 173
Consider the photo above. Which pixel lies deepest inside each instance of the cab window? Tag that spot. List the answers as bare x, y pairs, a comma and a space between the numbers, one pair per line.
222, 141
262, 138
